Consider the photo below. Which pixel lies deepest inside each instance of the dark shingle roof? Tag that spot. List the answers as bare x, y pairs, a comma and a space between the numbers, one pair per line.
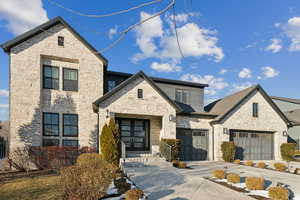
39, 29
293, 116
290, 100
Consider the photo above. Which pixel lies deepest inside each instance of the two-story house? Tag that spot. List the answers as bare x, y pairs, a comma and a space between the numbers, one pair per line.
61, 93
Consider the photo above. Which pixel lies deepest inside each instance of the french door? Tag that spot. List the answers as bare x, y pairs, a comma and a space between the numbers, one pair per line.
134, 133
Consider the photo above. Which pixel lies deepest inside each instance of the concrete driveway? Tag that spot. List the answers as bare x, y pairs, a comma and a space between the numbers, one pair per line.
162, 181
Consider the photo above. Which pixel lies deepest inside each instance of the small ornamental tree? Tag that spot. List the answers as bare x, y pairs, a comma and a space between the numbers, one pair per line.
287, 151
228, 151
111, 143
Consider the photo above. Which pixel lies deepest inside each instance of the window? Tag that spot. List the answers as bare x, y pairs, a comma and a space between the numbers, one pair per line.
70, 143
60, 41
51, 124
140, 93
70, 125
111, 85
70, 79
50, 77
181, 96
255, 110
50, 142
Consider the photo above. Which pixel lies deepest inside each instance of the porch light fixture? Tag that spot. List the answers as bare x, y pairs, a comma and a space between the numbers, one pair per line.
225, 131
172, 118
284, 133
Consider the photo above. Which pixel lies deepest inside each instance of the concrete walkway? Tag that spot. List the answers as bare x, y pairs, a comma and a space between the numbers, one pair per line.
161, 181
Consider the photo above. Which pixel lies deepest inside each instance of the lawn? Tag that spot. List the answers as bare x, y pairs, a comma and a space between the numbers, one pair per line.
40, 187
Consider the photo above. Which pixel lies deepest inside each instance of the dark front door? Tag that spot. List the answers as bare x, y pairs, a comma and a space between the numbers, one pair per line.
135, 134
253, 145
194, 144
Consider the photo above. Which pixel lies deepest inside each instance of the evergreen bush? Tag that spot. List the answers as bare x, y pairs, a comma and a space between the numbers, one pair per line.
287, 151
228, 151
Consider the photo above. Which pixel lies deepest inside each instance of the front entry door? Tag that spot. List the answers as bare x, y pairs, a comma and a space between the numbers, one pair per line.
135, 134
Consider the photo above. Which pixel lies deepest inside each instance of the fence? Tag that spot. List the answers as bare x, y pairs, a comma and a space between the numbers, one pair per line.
2, 148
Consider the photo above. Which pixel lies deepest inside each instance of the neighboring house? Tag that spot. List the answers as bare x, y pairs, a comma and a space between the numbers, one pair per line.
291, 108
4, 138
61, 93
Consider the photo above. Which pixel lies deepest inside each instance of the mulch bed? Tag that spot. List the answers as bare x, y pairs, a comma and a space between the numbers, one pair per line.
238, 189
11, 175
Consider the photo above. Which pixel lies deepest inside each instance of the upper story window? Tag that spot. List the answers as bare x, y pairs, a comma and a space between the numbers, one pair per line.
70, 81
182, 96
140, 93
255, 109
50, 124
111, 85
50, 77
70, 125
61, 41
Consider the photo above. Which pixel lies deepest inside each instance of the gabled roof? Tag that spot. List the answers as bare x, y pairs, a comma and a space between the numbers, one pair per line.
128, 81
39, 29
223, 107
293, 116
161, 80
290, 100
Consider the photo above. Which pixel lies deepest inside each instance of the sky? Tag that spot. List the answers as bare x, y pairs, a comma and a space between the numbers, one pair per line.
228, 44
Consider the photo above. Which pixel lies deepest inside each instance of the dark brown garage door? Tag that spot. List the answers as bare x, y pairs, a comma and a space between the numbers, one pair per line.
253, 145
194, 144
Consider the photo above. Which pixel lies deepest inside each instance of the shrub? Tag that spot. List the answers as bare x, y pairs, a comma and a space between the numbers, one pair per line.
87, 181
255, 183
280, 166
219, 174
233, 178
182, 165
249, 163
237, 161
175, 144
287, 151
261, 165
91, 159
20, 159
228, 151
122, 185
175, 163
278, 193
134, 194
111, 143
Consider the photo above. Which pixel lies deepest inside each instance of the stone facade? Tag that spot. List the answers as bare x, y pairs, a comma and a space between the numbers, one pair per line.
28, 99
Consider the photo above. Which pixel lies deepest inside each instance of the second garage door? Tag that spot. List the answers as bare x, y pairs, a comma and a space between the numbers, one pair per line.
194, 144
253, 145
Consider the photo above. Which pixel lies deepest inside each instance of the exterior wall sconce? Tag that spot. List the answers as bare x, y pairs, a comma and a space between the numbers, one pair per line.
225, 131
284, 133
109, 114
172, 118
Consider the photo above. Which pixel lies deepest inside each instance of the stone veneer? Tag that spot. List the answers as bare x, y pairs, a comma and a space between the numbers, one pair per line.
28, 99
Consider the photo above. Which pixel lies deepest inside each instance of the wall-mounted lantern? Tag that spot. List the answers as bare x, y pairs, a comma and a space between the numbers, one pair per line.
284, 133
225, 131
172, 118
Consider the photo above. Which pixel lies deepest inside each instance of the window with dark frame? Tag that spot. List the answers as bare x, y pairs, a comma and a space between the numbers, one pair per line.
50, 142
60, 41
50, 124
70, 79
70, 143
50, 77
255, 110
140, 93
182, 96
70, 125
111, 85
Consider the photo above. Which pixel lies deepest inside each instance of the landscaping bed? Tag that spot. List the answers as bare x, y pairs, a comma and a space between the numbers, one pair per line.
11, 175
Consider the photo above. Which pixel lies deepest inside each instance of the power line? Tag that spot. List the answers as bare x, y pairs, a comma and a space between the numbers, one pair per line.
176, 33
104, 15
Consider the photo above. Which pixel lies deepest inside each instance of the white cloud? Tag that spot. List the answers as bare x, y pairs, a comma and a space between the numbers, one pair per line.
3, 105
268, 72
155, 41
112, 32
240, 86
223, 71
275, 46
277, 25
215, 84
292, 30
22, 15
4, 93
165, 67
245, 73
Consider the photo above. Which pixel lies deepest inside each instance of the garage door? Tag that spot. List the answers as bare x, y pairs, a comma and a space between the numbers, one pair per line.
253, 145
194, 144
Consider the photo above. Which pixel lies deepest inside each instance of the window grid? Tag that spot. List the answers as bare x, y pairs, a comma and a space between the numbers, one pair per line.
111, 85
255, 110
53, 126
70, 143
60, 41
70, 79
67, 126
182, 96
140, 93
51, 80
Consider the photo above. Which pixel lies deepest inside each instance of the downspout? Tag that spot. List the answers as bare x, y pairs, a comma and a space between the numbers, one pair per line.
98, 141
213, 141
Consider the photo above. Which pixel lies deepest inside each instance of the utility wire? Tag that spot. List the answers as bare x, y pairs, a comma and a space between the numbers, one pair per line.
176, 33
104, 15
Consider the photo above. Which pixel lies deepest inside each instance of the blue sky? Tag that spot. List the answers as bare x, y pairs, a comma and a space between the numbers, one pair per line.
229, 44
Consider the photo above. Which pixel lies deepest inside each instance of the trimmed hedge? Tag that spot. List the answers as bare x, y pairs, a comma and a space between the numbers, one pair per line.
249, 163
287, 151
280, 166
255, 183
134, 194
233, 178
219, 174
228, 151
175, 144
261, 165
278, 193
237, 161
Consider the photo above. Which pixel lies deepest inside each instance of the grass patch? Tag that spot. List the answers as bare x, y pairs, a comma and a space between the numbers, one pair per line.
41, 187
